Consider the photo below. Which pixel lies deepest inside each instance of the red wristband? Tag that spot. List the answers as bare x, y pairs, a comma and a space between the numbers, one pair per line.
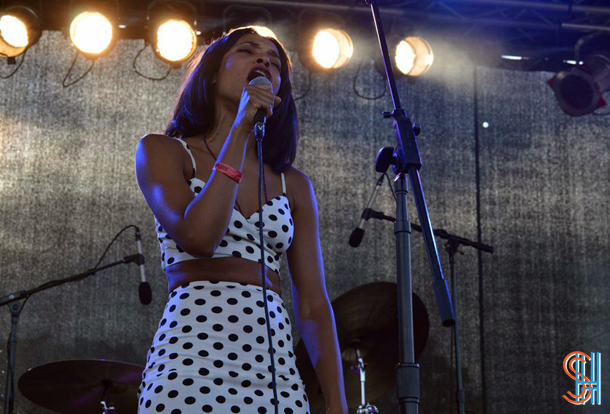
228, 171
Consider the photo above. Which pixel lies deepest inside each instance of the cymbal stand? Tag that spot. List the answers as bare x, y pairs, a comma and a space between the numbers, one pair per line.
13, 301
108, 409
358, 365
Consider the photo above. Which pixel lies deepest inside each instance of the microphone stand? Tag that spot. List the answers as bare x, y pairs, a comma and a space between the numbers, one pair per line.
451, 247
259, 135
407, 161
15, 306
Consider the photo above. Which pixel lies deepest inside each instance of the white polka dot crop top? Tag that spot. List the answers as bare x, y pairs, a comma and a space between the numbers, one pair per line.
241, 238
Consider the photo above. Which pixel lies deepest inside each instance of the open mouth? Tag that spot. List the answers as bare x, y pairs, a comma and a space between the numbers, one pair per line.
255, 73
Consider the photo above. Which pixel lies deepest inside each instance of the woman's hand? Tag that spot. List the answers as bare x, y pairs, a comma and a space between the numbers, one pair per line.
253, 98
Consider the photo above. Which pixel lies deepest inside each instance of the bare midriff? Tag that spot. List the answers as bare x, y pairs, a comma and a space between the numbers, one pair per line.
225, 269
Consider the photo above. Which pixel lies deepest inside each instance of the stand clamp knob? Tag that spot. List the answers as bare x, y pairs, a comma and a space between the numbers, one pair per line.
417, 128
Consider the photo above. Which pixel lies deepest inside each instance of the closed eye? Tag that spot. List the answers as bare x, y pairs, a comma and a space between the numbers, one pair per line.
277, 65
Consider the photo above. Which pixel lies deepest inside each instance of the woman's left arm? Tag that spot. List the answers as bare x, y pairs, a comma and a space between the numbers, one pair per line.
312, 310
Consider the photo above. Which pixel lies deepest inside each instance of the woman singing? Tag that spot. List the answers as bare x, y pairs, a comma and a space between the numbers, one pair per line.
200, 179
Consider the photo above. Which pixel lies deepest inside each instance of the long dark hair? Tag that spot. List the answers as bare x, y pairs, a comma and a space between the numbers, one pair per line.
194, 109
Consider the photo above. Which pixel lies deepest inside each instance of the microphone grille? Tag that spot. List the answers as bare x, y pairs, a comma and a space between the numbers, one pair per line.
260, 80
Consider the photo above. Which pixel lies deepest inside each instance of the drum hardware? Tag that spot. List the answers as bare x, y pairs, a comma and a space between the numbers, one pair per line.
107, 409
359, 368
83, 386
366, 318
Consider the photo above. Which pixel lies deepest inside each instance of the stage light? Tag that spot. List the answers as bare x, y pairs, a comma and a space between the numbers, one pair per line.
176, 40
323, 45
19, 30
579, 90
414, 56
264, 31
13, 31
254, 17
171, 32
92, 26
332, 48
512, 57
91, 33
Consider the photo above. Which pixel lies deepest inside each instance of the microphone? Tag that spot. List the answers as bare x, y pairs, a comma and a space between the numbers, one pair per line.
261, 115
356, 238
144, 291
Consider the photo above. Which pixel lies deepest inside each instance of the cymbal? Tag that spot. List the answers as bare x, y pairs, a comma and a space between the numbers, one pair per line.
367, 319
78, 386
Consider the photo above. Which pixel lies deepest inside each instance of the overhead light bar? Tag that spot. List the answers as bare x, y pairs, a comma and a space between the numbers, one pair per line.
171, 30
579, 90
19, 29
414, 56
92, 27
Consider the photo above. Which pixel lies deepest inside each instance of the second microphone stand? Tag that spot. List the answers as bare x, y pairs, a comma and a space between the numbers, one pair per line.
16, 306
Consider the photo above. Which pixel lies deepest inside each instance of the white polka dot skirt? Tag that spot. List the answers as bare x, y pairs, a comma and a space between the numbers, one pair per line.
210, 354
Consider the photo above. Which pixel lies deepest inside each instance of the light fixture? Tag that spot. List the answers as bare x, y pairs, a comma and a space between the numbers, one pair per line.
323, 45
257, 18
413, 56
170, 30
579, 90
264, 31
92, 29
332, 48
19, 29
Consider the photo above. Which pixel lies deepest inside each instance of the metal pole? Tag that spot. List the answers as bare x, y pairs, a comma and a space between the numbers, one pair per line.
564, 8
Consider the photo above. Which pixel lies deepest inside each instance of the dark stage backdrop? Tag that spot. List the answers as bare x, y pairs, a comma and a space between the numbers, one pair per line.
534, 184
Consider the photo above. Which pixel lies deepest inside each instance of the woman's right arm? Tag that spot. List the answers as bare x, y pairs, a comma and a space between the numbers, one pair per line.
196, 223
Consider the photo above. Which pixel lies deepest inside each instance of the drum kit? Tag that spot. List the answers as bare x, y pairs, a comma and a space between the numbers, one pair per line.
367, 327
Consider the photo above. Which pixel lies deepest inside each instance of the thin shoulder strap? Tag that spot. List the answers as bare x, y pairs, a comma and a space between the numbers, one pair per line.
283, 184
187, 148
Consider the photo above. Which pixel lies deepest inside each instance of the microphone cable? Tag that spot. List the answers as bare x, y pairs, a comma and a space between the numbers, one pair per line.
113, 240
259, 134
144, 290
